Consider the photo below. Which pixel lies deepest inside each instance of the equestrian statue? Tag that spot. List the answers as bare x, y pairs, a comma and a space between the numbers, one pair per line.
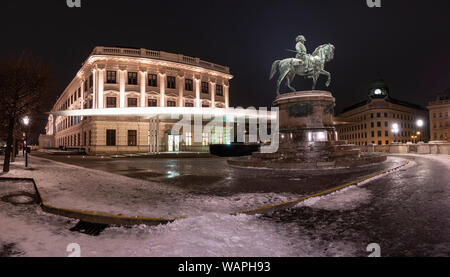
310, 66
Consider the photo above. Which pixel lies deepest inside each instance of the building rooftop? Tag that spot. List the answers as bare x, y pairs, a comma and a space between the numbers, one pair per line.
159, 55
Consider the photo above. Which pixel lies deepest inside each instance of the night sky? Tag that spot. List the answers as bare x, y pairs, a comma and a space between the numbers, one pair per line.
407, 42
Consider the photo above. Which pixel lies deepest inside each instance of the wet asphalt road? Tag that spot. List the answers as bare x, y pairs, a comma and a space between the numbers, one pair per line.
213, 176
408, 214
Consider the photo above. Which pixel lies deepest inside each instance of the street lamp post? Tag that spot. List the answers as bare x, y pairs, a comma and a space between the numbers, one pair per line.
26, 122
419, 123
395, 130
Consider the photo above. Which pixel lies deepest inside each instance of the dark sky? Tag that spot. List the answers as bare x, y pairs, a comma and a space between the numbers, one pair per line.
407, 42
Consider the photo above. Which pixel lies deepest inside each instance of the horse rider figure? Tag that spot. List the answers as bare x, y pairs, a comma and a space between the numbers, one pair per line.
302, 54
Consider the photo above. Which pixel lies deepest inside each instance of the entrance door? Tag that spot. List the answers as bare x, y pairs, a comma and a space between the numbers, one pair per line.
174, 143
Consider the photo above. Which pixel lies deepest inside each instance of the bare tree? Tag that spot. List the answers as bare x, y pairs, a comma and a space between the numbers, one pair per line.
24, 90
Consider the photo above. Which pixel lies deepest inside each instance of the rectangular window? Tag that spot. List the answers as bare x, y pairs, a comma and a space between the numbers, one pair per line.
379, 133
372, 124
189, 85
378, 115
132, 137
378, 124
190, 105
90, 137
79, 92
75, 95
85, 85
152, 103
111, 77
171, 104
386, 133
91, 81
132, 78
111, 102
188, 138
110, 137
152, 80
132, 102
205, 139
79, 139
219, 90
171, 82
205, 87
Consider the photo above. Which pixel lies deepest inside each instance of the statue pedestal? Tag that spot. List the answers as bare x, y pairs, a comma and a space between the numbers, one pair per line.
308, 138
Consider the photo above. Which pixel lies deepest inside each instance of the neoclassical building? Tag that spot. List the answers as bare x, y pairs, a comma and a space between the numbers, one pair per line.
121, 101
382, 120
439, 117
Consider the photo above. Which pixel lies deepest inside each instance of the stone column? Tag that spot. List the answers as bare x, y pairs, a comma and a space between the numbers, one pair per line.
197, 92
181, 91
213, 94
226, 89
94, 89
143, 75
82, 94
101, 86
162, 88
122, 80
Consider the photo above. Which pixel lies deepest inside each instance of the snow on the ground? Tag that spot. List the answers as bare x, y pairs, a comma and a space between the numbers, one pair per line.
345, 199
68, 186
36, 234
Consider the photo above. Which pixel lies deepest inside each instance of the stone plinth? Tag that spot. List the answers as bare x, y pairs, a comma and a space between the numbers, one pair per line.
308, 138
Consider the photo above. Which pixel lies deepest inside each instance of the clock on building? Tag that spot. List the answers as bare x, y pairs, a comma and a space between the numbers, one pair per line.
378, 89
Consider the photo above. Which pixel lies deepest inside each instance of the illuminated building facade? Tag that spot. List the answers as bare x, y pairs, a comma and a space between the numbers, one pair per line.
382, 120
139, 86
439, 117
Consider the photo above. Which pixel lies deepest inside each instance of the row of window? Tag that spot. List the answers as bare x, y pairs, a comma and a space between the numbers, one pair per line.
76, 140
379, 134
441, 115
68, 122
404, 125
386, 115
152, 81
111, 102
441, 124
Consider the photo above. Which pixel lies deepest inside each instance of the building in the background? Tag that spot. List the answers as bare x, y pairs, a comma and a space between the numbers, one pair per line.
382, 120
439, 117
126, 78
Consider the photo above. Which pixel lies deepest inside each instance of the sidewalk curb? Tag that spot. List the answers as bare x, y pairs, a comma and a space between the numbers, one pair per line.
293, 203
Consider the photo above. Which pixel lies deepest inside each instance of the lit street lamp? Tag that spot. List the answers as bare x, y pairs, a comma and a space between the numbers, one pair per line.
395, 131
419, 124
26, 122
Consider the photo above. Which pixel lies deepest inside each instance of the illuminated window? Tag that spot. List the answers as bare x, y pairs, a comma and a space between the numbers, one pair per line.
188, 138
205, 139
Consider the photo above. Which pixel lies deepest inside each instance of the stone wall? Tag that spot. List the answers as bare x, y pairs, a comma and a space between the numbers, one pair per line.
422, 148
